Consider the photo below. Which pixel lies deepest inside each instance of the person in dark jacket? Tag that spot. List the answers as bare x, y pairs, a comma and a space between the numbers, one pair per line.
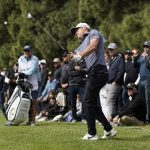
134, 111
128, 76
142, 62
76, 85
12, 75
2, 83
57, 70
44, 78
115, 81
64, 78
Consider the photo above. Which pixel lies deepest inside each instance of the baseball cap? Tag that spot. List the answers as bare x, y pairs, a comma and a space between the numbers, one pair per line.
56, 60
42, 61
79, 25
147, 43
112, 46
50, 73
131, 86
27, 48
128, 52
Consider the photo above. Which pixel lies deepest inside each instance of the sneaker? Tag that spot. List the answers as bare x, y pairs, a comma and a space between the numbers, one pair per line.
32, 124
42, 119
109, 134
73, 121
90, 137
83, 121
38, 116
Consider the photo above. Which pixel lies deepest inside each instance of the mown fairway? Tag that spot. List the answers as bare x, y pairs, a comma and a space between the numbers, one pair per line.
65, 136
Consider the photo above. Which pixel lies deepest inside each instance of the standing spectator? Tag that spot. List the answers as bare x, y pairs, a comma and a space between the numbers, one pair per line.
76, 86
115, 81
28, 64
65, 76
42, 83
12, 75
144, 83
92, 51
44, 75
130, 75
103, 91
57, 70
2, 83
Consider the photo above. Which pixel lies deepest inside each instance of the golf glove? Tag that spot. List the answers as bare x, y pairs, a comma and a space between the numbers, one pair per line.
77, 58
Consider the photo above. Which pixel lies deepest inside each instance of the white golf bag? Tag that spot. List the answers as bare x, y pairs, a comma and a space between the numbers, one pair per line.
19, 103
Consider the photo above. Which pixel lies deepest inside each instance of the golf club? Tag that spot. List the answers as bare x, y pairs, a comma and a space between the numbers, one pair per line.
29, 16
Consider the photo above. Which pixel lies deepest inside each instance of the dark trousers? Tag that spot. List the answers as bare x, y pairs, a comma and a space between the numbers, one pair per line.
73, 90
97, 78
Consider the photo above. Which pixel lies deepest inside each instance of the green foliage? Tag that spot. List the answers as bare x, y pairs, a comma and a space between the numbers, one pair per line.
124, 22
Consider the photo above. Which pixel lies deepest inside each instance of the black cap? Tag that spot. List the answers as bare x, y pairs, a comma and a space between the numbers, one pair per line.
147, 43
131, 86
128, 52
27, 48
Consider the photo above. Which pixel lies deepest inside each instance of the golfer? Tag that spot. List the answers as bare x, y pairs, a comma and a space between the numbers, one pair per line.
92, 51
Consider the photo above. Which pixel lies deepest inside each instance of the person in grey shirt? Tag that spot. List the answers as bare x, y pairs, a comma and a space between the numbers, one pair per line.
92, 51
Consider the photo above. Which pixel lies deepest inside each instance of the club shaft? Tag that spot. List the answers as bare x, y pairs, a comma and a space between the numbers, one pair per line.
49, 35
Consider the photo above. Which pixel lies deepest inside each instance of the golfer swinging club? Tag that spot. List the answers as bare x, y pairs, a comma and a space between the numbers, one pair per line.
91, 49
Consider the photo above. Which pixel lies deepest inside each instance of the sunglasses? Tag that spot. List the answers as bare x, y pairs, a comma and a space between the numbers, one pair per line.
110, 49
145, 46
26, 50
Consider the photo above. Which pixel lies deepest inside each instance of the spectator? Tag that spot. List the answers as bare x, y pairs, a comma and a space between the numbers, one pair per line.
144, 83
134, 111
76, 86
2, 83
115, 81
64, 78
28, 64
42, 83
12, 75
44, 75
131, 74
51, 86
57, 70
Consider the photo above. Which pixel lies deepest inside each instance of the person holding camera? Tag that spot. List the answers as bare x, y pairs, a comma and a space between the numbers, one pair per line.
131, 74
143, 62
28, 64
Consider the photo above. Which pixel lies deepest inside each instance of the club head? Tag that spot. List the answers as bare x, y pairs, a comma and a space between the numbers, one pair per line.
5, 22
29, 16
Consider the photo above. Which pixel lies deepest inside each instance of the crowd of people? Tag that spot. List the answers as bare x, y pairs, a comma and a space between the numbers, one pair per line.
88, 84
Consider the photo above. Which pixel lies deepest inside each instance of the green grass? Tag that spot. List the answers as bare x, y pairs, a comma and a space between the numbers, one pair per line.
65, 136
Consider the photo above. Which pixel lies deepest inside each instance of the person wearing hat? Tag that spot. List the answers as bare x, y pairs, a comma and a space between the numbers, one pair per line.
51, 86
44, 74
131, 73
44, 78
28, 64
143, 62
57, 70
92, 51
64, 78
115, 81
134, 111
